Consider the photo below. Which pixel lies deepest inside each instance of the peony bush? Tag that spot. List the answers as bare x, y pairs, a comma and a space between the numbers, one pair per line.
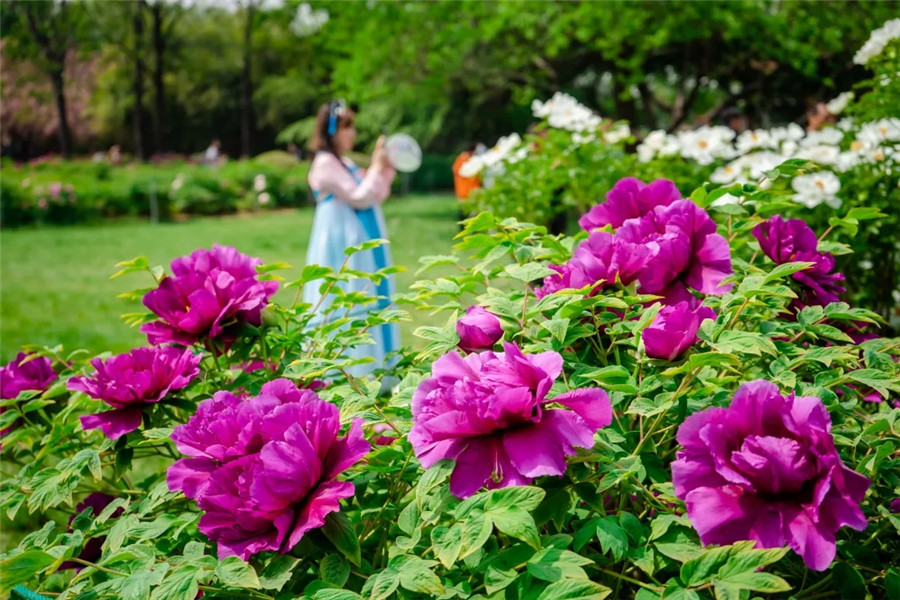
676, 402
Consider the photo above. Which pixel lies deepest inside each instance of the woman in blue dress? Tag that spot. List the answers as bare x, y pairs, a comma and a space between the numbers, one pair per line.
348, 213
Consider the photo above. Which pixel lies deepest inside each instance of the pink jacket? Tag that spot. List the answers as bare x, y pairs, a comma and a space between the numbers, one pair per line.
328, 176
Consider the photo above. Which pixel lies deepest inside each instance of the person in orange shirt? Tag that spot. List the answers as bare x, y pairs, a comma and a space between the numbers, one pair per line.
463, 186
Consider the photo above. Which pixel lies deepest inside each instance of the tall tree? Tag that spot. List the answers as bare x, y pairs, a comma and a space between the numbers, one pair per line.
44, 32
246, 80
137, 88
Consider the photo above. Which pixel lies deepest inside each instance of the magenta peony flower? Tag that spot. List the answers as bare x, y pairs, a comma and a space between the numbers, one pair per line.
129, 382
895, 505
263, 470
478, 329
674, 329
628, 199
793, 240
766, 469
210, 295
489, 413
20, 375
602, 257
689, 252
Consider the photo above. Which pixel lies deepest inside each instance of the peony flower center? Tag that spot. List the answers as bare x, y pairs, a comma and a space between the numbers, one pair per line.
820, 185
774, 465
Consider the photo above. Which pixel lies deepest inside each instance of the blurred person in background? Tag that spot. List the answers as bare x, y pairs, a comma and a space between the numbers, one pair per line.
463, 186
818, 116
348, 213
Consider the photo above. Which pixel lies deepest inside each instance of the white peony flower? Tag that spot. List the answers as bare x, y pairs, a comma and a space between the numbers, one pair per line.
263, 198
837, 105
655, 142
472, 167
826, 136
706, 144
824, 154
752, 140
618, 133
877, 41
816, 188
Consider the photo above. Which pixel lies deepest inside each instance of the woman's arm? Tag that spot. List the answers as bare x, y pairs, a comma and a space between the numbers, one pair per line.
332, 177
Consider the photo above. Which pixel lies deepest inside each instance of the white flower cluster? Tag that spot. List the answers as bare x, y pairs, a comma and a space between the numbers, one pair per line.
562, 111
508, 149
837, 105
763, 150
308, 21
877, 41
704, 145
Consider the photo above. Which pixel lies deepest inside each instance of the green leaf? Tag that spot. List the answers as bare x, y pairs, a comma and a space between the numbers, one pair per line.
409, 519
367, 245
553, 564
23, 567
328, 594
744, 342
749, 560
447, 543
557, 328
334, 570
574, 589
278, 572
758, 582
477, 529
613, 377
496, 579
848, 582
516, 523
234, 572
680, 552
785, 269
529, 272
522, 497
183, 582
340, 531
892, 583
701, 569
612, 537
384, 583
879, 381
416, 576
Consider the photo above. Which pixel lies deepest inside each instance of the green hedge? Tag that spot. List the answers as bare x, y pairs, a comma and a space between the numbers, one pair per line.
64, 192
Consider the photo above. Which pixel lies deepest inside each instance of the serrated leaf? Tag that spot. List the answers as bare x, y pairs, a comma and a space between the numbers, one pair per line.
572, 589
21, 568
234, 572
522, 497
516, 523
757, 582
612, 537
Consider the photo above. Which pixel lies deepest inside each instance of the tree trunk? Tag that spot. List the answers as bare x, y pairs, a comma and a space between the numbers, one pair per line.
65, 136
138, 84
56, 58
246, 85
159, 48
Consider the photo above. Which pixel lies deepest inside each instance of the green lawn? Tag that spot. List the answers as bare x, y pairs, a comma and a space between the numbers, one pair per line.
55, 286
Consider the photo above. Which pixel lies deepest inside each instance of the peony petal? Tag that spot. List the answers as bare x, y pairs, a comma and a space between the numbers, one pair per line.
474, 466
324, 500
347, 451
814, 544
190, 475
591, 404
114, 423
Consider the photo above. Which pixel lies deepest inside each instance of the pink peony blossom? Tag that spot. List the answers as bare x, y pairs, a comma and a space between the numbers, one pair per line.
264, 470
129, 382
489, 412
210, 296
766, 469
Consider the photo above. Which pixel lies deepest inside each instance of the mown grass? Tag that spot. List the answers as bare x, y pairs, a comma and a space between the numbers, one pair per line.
55, 286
